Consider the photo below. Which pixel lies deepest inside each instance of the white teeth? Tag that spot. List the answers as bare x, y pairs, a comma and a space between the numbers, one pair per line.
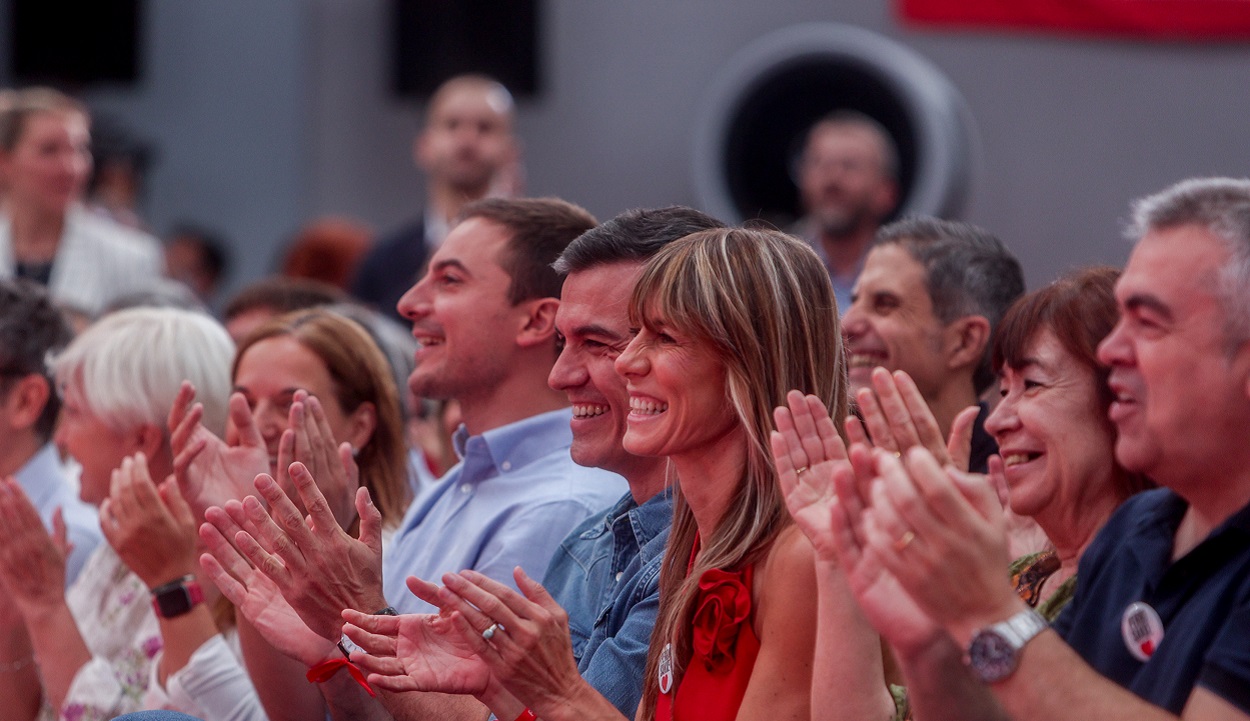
1015, 459
639, 405
588, 410
863, 360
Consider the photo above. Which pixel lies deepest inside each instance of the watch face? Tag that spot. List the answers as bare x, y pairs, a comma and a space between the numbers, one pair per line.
172, 604
991, 656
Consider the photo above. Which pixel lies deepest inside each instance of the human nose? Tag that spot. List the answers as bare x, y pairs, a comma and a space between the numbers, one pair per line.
854, 323
1003, 418
1114, 349
631, 361
414, 303
269, 419
567, 372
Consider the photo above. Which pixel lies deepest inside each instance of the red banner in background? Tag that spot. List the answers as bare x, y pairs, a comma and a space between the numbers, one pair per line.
1159, 19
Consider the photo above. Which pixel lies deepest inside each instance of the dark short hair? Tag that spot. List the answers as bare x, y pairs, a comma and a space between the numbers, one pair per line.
283, 295
31, 330
634, 235
968, 271
212, 246
1080, 310
541, 229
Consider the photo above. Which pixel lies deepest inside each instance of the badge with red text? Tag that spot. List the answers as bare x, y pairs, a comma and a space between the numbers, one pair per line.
665, 670
1142, 629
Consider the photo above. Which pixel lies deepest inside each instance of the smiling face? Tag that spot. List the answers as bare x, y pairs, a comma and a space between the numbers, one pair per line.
47, 168
678, 401
461, 315
97, 446
593, 319
891, 323
1179, 397
1051, 430
270, 371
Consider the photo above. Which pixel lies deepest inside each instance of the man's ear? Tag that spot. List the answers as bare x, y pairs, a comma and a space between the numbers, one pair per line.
539, 323
965, 340
26, 400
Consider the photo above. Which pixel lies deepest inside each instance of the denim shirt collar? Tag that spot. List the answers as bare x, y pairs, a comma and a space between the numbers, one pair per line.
646, 523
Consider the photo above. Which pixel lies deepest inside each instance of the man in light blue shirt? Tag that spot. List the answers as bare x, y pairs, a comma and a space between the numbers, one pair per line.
31, 329
485, 317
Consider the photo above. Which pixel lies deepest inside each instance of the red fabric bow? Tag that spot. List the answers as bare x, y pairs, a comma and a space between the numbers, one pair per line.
724, 604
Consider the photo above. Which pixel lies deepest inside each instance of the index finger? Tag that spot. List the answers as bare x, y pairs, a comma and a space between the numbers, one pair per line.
314, 501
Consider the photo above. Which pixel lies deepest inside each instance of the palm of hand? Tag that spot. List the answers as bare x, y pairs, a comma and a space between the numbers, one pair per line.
435, 657
279, 624
888, 607
811, 502
221, 473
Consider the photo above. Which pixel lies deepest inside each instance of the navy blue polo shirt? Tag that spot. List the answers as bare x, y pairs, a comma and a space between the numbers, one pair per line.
1203, 600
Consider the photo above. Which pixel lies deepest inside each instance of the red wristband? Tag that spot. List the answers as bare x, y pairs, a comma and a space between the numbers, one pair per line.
527, 715
325, 670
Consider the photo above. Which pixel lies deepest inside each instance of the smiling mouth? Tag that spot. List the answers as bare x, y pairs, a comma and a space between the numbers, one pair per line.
639, 406
865, 360
1015, 459
588, 410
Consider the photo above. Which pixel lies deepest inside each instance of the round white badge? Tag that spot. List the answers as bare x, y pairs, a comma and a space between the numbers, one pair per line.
1142, 630
665, 669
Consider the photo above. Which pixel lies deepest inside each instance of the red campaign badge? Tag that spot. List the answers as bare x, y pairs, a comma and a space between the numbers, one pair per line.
665, 670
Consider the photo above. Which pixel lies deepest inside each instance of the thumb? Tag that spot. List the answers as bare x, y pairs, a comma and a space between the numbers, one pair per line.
176, 504
370, 521
959, 446
533, 590
60, 534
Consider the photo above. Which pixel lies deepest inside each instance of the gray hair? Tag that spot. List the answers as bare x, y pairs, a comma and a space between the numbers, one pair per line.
634, 235
968, 271
1222, 207
130, 364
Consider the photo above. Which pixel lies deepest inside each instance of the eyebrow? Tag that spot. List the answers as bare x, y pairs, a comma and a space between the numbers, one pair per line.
1140, 301
595, 329
451, 263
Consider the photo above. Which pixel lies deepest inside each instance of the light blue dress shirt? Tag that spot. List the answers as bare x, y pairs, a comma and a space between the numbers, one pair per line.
513, 497
44, 481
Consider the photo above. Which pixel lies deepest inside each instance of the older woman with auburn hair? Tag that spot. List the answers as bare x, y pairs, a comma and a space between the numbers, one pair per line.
1055, 439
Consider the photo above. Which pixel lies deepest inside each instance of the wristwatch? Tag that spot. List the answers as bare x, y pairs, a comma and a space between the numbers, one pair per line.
994, 651
177, 597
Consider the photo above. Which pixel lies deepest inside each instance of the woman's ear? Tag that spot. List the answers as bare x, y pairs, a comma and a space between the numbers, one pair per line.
361, 425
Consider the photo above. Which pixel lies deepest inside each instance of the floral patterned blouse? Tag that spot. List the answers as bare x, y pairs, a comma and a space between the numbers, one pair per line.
115, 618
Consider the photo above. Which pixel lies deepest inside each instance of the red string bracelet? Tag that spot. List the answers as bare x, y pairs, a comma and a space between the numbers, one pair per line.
527, 715
323, 671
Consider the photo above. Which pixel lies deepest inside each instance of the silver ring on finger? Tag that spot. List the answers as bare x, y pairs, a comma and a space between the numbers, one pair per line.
491, 630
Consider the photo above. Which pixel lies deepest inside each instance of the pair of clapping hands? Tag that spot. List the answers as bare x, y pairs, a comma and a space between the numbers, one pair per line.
922, 541
149, 525
289, 569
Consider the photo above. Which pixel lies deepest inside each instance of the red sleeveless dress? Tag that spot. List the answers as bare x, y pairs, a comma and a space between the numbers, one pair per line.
725, 648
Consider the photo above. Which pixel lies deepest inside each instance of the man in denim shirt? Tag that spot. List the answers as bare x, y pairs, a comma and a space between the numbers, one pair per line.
605, 573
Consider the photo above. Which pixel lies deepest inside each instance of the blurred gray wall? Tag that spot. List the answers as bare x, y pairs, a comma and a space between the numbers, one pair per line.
269, 113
